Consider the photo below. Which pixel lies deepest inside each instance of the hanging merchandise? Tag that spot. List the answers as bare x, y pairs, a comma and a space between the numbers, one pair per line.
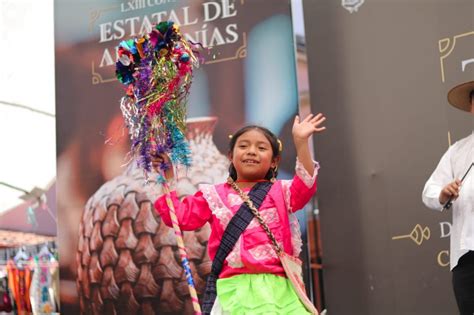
19, 281
5, 299
29, 285
41, 292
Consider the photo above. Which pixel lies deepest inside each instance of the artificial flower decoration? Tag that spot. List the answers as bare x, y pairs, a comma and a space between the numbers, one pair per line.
157, 70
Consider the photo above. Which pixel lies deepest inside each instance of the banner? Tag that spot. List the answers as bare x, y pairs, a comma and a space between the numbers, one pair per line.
380, 71
115, 255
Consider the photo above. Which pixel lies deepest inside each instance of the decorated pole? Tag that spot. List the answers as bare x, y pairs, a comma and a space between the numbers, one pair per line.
182, 252
157, 71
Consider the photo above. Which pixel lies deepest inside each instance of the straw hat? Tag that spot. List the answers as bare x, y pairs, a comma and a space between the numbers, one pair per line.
459, 96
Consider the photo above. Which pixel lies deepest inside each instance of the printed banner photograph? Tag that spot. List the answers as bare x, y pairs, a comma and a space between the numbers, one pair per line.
116, 254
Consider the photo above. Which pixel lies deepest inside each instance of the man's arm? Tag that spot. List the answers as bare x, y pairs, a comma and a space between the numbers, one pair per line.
438, 188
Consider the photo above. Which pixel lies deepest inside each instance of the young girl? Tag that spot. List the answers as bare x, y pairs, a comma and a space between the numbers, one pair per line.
251, 279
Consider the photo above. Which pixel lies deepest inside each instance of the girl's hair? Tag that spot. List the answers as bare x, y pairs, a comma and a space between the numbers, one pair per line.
274, 142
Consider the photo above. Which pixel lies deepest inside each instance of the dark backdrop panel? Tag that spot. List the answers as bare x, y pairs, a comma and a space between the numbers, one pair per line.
381, 75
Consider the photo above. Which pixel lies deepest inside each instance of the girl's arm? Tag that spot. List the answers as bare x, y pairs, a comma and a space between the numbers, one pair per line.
302, 131
192, 212
303, 186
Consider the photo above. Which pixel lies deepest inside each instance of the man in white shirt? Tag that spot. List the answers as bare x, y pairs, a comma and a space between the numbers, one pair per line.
444, 186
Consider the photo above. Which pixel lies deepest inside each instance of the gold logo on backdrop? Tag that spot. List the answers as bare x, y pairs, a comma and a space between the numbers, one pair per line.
417, 235
352, 5
97, 77
447, 46
443, 258
94, 15
241, 52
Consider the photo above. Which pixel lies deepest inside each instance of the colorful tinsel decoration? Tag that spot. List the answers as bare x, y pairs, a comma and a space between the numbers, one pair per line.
157, 70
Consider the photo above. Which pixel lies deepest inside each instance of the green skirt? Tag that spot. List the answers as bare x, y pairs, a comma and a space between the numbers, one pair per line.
258, 294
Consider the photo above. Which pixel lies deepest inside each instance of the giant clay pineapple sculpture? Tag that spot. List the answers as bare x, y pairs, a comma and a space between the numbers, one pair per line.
127, 259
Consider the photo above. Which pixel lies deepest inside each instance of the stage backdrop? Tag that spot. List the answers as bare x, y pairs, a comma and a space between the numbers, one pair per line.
249, 77
380, 71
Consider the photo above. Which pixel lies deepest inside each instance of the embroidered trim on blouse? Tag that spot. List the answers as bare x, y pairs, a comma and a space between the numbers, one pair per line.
216, 205
263, 252
224, 215
234, 200
295, 229
269, 215
233, 259
296, 241
303, 174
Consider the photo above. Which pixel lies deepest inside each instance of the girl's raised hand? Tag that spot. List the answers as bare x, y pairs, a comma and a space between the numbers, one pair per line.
302, 130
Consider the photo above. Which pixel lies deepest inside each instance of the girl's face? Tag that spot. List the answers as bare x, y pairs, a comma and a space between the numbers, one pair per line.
252, 156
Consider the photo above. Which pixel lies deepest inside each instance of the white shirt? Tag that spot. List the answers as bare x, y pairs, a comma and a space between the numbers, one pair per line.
453, 165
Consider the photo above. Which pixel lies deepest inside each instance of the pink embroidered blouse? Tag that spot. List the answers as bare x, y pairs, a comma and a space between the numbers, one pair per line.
253, 252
